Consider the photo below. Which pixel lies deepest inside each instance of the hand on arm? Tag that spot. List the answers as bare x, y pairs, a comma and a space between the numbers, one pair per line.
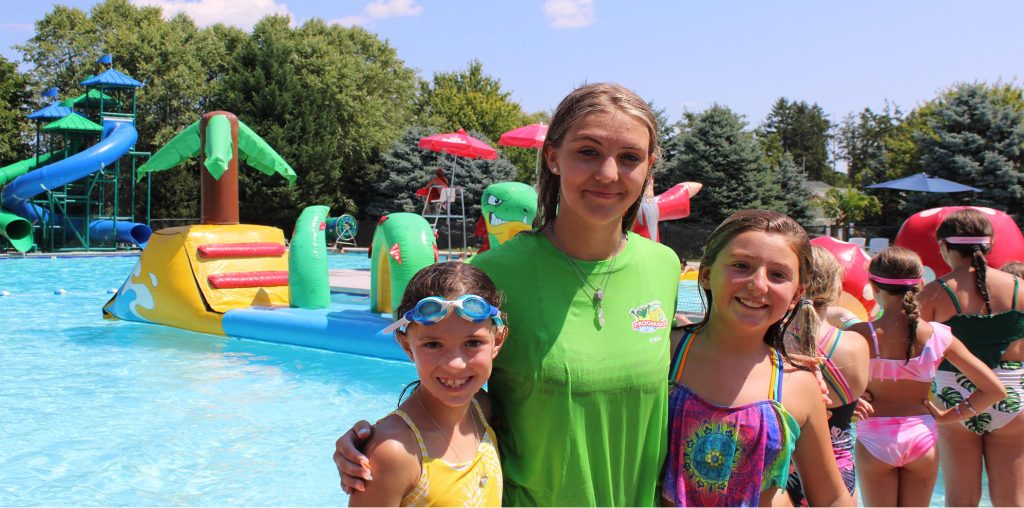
353, 466
988, 390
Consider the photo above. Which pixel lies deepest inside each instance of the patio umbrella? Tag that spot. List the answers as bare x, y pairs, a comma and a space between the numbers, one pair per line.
459, 144
527, 136
924, 183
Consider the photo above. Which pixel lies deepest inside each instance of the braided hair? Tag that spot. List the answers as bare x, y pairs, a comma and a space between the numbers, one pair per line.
970, 223
900, 263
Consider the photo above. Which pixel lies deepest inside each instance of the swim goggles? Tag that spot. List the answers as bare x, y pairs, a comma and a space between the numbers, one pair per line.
432, 309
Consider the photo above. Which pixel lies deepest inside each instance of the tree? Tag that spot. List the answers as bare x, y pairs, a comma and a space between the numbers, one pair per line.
845, 206
406, 168
864, 141
802, 130
472, 100
668, 139
63, 50
330, 100
14, 96
977, 139
715, 150
792, 198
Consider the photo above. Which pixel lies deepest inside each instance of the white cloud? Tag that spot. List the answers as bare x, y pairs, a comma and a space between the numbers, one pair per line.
240, 13
570, 13
380, 9
391, 8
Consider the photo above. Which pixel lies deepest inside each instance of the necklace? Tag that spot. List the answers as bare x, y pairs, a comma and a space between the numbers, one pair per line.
598, 296
451, 438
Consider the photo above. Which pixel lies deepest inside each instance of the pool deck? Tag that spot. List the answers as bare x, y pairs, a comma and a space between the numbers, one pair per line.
350, 281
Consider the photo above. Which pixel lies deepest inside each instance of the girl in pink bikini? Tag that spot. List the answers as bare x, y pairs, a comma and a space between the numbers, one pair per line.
897, 461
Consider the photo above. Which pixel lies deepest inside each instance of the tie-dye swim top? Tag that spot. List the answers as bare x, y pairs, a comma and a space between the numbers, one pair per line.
725, 456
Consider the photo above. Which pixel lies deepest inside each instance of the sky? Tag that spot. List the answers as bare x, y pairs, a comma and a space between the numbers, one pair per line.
681, 55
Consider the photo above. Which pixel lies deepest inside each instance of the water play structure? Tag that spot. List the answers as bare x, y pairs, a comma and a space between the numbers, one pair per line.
240, 280
76, 192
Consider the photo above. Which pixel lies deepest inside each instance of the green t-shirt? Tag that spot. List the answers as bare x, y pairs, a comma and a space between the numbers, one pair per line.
582, 411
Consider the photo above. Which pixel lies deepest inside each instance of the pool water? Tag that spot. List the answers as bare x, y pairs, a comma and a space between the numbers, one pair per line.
101, 413
96, 412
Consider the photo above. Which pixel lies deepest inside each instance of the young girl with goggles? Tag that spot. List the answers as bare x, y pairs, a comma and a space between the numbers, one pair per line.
437, 448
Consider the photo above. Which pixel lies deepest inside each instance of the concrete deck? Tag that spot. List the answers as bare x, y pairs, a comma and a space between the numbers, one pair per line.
350, 281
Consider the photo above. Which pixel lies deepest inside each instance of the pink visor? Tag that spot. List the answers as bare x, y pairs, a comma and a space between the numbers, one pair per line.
969, 240
895, 282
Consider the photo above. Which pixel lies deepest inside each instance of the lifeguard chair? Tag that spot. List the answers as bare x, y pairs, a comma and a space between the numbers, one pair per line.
439, 203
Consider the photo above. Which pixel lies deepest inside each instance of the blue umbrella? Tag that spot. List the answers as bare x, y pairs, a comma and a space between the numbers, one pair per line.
924, 183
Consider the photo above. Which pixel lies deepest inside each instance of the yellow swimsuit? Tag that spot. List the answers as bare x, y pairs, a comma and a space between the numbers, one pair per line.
473, 483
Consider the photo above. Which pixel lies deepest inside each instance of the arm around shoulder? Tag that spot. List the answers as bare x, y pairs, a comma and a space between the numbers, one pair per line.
395, 463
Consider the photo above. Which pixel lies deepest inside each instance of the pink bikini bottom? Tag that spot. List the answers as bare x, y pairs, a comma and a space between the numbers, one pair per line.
898, 440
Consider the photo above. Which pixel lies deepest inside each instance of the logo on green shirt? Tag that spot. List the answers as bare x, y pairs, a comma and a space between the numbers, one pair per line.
649, 317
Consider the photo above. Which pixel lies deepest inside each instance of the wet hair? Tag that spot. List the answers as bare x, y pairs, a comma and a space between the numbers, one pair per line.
899, 263
970, 222
1015, 268
448, 280
824, 285
581, 102
773, 223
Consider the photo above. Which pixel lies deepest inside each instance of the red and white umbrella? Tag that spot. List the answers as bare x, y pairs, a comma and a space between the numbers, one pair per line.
460, 144
527, 136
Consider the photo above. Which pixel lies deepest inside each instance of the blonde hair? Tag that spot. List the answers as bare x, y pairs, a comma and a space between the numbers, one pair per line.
824, 284
581, 102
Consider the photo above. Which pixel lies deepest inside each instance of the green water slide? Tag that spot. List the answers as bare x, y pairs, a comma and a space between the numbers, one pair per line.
17, 229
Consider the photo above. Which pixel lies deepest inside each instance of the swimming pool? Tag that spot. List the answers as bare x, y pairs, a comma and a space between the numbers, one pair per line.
96, 412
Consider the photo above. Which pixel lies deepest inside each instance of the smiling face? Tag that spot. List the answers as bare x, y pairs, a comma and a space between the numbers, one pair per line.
755, 280
602, 164
453, 357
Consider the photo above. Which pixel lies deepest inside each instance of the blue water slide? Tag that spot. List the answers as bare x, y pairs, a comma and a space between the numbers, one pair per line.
118, 139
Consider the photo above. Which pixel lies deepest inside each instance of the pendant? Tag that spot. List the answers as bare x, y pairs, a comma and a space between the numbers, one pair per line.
600, 314
483, 481
598, 295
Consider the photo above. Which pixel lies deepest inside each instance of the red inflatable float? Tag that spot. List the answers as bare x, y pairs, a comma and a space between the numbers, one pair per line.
857, 296
918, 235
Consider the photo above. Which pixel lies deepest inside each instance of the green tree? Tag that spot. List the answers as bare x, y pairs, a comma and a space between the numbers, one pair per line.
845, 206
14, 99
976, 138
864, 141
63, 51
714, 149
803, 131
474, 101
793, 197
330, 100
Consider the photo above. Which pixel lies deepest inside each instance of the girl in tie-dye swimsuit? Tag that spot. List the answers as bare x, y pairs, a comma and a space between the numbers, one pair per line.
739, 410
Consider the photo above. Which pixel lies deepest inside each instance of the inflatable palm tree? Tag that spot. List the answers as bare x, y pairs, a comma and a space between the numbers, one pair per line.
219, 138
